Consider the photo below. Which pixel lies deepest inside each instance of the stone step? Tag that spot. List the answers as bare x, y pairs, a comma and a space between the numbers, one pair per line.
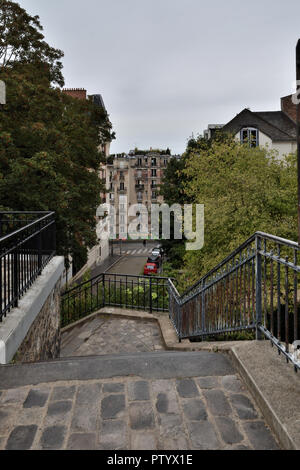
157, 365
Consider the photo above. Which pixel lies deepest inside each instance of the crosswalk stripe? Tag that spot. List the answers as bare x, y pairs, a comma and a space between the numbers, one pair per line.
142, 251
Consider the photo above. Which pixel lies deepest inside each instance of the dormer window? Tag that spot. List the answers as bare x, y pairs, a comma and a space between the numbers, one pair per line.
249, 135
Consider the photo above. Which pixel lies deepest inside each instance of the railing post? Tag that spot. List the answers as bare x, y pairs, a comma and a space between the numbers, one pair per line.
103, 290
150, 292
39, 248
203, 306
258, 288
16, 278
54, 236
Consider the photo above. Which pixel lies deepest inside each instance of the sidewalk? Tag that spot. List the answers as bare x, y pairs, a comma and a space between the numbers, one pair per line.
102, 267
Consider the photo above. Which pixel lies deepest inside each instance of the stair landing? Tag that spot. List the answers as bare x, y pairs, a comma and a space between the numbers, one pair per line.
151, 401
106, 334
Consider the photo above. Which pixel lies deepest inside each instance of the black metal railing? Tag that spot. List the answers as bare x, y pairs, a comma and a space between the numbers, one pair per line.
115, 290
27, 243
253, 289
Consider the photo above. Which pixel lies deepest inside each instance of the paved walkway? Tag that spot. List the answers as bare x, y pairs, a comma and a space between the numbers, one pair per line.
211, 412
101, 268
107, 335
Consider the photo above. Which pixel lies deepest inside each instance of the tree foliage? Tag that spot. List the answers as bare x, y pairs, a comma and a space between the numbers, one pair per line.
49, 152
22, 41
244, 190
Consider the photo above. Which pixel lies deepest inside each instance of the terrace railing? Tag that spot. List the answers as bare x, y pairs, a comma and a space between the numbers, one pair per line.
253, 289
27, 244
115, 290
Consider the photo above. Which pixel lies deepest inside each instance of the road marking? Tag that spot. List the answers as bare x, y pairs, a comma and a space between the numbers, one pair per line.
141, 251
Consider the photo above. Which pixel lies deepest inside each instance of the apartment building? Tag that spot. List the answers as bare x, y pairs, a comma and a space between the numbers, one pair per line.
134, 179
100, 251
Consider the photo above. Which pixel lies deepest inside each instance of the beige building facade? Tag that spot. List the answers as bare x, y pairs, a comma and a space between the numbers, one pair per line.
132, 183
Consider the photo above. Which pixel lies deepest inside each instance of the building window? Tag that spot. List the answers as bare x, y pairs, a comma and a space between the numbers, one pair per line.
122, 186
154, 173
154, 195
249, 135
153, 162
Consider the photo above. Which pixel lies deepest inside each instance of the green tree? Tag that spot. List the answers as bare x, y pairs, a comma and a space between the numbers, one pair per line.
22, 41
244, 190
49, 153
172, 190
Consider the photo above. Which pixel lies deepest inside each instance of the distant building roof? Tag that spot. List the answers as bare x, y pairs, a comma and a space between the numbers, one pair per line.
275, 124
98, 100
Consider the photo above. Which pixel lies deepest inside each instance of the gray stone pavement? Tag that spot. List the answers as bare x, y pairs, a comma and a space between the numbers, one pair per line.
107, 335
130, 413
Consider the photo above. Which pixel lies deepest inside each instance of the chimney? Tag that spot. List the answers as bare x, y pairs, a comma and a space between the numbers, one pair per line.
288, 107
79, 93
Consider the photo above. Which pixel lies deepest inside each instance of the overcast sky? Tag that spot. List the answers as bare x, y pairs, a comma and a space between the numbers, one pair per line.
168, 68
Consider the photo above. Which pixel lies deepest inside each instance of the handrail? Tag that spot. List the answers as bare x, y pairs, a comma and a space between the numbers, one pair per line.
23, 255
115, 290
26, 227
254, 288
237, 250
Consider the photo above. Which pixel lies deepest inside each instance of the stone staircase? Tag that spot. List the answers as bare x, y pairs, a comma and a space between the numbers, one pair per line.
160, 400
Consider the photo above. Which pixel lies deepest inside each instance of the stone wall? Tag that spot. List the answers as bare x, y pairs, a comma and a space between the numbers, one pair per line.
43, 338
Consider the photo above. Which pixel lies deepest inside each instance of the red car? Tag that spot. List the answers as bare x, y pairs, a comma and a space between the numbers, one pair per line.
149, 269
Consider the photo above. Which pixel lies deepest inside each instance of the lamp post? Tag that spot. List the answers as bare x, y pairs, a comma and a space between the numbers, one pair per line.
298, 129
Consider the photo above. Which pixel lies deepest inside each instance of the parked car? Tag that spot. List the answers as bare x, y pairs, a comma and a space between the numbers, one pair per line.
158, 251
155, 260
150, 269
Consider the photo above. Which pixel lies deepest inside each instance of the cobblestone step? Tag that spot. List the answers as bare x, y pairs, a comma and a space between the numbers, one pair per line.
193, 410
159, 365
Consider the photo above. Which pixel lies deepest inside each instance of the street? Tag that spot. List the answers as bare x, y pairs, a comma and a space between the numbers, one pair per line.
134, 257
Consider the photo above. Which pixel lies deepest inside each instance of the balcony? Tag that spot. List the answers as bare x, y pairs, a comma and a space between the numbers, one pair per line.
122, 190
140, 187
